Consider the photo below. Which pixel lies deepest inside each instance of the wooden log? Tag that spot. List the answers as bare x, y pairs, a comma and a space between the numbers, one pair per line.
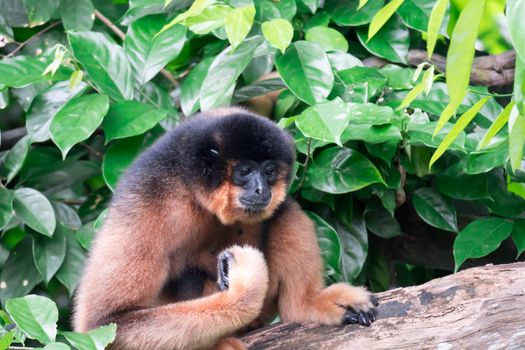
478, 308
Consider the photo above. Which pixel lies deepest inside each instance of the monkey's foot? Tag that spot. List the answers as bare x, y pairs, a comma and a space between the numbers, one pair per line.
360, 316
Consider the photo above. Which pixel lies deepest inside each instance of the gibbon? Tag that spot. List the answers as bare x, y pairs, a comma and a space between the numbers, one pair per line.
202, 242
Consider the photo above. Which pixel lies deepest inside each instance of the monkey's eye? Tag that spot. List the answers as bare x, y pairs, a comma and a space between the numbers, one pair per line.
270, 172
245, 171
214, 152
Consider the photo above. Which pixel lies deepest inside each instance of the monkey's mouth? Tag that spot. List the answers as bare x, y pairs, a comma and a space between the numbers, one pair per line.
254, 207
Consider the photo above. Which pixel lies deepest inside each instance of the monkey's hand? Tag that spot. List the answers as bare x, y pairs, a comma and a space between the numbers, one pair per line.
243, 274
357, 305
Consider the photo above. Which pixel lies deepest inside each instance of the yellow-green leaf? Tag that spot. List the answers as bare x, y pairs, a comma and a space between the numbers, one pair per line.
496, 126
278, 32
411, 96
75, 79
195, 9
428, 79
516, 137
382, 16
238, 24
460, 125
361, 4
460, 57
434, 24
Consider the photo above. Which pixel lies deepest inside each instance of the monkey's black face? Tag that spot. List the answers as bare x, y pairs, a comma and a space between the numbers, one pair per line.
256, 180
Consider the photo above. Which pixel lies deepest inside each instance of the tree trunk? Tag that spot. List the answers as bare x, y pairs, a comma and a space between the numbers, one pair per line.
478, 308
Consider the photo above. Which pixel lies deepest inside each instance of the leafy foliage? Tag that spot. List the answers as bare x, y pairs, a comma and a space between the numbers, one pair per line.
383, 163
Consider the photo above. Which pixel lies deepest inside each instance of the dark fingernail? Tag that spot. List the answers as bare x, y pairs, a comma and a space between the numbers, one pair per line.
373, 298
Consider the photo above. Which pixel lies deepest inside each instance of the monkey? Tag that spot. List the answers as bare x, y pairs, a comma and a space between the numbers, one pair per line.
202, 242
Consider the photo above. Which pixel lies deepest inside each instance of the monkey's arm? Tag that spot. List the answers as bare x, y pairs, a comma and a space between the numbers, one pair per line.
126, 272
294, 256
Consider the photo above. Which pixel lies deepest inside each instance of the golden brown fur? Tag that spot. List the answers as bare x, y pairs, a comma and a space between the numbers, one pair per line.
148, 243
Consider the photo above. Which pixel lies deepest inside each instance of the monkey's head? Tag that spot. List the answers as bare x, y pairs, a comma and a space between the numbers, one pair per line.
238, 164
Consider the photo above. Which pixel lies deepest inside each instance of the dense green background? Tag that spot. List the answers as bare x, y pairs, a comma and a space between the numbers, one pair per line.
408, 173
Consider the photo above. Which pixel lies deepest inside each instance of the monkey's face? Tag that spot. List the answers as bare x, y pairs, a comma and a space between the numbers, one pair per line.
256, 181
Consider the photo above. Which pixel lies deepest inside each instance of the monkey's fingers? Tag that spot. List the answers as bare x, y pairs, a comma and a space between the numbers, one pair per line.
223, 269
364, 318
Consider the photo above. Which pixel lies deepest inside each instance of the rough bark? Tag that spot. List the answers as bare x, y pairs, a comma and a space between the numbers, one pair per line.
476, 308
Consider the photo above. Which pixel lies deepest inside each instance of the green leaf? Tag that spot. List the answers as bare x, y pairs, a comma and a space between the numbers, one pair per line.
484, 161
77, 14
6, 206
15, 158
421, 133
77, 120
35, 315
391, 43
353, 237
416, 14
149, 50
325, 121
411, 96
382, 224
434, 24
516, 137
352, 12
238, 24
209, 20
328, 242
460, 125
217, 88
190, 89
382, 16
329, 38
341, 170
369, 113
49, 253
515, 13
130, 118
96, 339
71, 269
372, 134
118, 157
56, 346
306, 71
518, 235
460, 56
496, 126
196, 8
279, 32
19, 274
435, 209
21, 71
480, 238
105, 62
33, 208
454, 183
6, 339
39, 11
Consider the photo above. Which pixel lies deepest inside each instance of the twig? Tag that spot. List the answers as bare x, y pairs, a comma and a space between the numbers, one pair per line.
22, 45
305, 166
166, 74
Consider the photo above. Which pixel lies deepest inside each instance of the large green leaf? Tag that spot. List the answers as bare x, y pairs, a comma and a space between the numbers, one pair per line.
346, 13
45, 106
516, 137
55, 346
96, 339
329, 244
416, 15
217, 88
484, 161
515, 13
454, 183
105, 62
77, 14
279, 32
39, 11
6, 206
190, 89
19, 275
369, 113
435, 209
435, 23
480, 238
77, 120
382, 224
13, 161
49, 253
382, 16
325, 121
130, 118
238, 24
341, 170
372, 134
421, 133
21, 71
306, 71
149, 50
329, 38
71, 269
391, 42
460, 57
518, 235
35, 315
498, 124
118, 157
33, 208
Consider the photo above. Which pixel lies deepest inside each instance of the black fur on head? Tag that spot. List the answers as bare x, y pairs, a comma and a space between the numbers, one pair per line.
199, 149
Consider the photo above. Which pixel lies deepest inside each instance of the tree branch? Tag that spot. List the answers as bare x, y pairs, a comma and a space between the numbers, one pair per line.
491, 70
166, 74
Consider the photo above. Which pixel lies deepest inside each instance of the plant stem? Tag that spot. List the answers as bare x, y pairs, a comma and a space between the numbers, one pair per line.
22, 45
